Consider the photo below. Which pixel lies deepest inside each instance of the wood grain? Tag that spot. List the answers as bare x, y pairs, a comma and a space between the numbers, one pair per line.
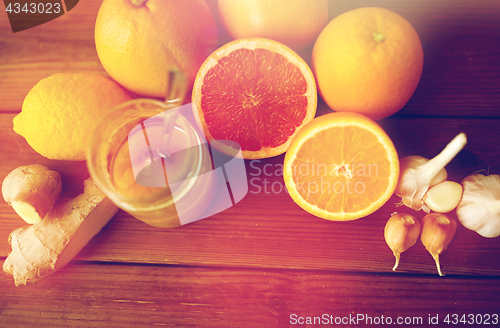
264, 259
268, 224
112, 295
461, 45
267, 229
64, 45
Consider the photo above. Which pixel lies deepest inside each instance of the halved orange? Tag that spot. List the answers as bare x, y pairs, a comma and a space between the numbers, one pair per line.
256, 92
341, 166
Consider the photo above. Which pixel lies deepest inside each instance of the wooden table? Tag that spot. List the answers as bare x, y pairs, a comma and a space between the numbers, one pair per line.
265, 262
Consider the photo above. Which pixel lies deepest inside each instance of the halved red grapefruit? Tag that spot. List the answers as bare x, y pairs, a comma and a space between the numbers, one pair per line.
255, 92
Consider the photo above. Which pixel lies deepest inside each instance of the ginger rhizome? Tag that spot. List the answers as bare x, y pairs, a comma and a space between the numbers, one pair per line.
43, 248
32, 191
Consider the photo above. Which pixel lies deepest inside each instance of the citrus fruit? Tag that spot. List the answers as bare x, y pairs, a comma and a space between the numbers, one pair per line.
61, 111
369, 61
255, 92
294, 23
137, 41
341, 166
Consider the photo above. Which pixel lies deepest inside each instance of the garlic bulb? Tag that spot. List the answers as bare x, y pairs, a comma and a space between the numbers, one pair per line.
479, 209
418, 174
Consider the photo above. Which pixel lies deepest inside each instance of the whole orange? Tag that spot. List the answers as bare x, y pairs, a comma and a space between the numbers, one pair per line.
295, 23
369, 61
137, 41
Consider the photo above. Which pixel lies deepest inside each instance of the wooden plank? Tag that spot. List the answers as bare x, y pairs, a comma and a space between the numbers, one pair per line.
265, 259
66, 44
116, 295
267, 229
275, 233
411, 136
461, 41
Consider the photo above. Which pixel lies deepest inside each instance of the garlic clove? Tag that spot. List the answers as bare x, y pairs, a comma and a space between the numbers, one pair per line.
418, 174
444, 197
408, 186
479, 209
401, 232
437, 232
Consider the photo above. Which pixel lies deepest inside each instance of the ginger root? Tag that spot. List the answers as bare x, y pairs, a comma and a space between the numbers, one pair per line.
43, 248
32, 191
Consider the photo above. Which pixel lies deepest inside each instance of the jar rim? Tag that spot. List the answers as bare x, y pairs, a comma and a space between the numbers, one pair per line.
107, 130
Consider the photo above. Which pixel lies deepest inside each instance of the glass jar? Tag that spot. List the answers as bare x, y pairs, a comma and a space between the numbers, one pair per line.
163, 185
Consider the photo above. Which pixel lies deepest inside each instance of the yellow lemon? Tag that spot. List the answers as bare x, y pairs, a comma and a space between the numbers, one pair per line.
61, 111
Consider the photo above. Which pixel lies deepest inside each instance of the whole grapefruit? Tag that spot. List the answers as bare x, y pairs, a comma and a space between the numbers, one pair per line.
137, 41
295, 23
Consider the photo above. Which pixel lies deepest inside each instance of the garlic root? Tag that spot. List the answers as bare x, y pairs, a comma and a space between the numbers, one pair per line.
418, 174
401, 232
437, 232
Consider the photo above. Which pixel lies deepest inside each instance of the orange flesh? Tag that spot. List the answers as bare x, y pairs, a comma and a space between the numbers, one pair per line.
347, 176
255, 98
